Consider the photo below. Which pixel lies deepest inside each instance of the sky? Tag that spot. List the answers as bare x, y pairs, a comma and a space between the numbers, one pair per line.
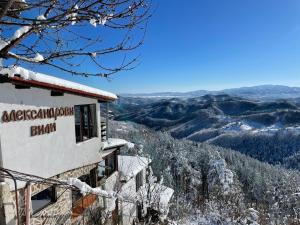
212, 45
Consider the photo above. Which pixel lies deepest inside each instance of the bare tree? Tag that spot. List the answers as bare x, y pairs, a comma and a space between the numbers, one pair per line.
65, 34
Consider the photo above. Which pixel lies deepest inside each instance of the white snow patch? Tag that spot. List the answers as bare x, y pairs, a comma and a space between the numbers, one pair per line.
93, 22
237, 126
104, 19
130, 166
114, 142
41, 17
18, 33
86, 189
22, 30
38, 57
30, 75
73, 15
130, 145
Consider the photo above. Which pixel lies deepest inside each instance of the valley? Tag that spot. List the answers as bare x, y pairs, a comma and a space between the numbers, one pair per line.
266, 130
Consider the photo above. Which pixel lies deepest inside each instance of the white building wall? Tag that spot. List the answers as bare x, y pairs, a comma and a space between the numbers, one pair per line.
128, 210
50, 154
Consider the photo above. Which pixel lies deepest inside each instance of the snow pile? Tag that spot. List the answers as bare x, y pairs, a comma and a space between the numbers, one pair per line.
220, 176
93, 22
41, 17
116, 142
38, 57
21, 31
130, 145
86, 189
130, 166
73, 15
18, 33
30, 75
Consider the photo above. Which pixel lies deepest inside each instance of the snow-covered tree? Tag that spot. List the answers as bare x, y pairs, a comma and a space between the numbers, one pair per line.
64, 34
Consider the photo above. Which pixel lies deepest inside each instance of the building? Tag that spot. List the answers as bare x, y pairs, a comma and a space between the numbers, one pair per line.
52, 128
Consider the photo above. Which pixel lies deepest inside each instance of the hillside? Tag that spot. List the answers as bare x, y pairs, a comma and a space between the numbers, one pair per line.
206, 178
268, 131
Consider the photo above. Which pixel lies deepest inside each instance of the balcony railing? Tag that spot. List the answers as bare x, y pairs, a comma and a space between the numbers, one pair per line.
104, 136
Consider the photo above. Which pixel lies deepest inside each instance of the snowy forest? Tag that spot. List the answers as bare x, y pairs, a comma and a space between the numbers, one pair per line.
215, 185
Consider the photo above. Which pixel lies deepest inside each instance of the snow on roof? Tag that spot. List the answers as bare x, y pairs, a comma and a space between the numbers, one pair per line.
19, 74
116, 142
129, 166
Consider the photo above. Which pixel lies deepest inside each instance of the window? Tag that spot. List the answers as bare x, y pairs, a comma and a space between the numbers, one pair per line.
108, 165
101, 169
43, 199
139, 212
139, 180
85, 122
111, 164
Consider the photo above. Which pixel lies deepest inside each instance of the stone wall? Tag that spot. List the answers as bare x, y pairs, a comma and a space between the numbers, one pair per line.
60, 212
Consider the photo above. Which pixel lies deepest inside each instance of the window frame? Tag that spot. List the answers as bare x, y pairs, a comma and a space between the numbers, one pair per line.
107, 171
53, 199
91, 123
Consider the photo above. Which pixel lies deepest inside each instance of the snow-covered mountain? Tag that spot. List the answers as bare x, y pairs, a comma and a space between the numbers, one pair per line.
262, 92
268, 131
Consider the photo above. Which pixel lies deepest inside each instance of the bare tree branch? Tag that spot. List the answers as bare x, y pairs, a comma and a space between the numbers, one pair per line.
62, 33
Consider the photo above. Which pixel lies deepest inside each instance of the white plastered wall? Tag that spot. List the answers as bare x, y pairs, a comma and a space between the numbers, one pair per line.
50, 154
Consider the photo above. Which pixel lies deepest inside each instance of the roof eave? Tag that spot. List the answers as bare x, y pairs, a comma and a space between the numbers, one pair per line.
39, 84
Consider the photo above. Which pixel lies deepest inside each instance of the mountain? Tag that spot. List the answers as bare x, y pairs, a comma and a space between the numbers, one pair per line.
266, 130
262, 92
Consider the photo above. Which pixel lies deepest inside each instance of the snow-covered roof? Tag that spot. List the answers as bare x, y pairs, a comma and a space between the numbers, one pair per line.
130, 166
20, 75
116, 142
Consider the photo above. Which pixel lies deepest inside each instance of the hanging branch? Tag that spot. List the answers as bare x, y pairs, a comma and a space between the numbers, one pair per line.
64, 33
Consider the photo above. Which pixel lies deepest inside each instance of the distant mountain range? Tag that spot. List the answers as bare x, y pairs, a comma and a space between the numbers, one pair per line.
262, 92
266, 130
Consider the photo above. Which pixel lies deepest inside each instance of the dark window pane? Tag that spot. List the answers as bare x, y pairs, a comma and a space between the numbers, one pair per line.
43, 198
139, 180
85, 122
101, 169
111, 164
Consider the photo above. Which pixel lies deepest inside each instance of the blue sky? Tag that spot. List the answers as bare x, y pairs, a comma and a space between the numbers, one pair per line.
213, 44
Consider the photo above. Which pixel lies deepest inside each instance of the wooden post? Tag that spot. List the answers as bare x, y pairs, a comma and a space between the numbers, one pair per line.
28, 204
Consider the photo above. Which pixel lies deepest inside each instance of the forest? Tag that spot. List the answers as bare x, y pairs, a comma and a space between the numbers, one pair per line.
215, 185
